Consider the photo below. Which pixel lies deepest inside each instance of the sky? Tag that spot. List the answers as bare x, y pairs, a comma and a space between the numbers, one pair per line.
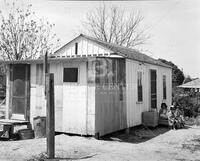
173, 25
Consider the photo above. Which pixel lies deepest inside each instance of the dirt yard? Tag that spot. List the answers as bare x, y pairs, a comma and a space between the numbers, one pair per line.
141, 145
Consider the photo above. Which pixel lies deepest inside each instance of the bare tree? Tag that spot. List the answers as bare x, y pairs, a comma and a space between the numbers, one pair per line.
23, 35
116, 26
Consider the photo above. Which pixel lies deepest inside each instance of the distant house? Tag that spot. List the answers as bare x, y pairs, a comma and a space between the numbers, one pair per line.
192, 90
99, 87
193, 84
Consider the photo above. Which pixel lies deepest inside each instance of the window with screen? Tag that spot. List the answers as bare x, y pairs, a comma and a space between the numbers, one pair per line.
139, 86
164, 87
70, 75
153, 88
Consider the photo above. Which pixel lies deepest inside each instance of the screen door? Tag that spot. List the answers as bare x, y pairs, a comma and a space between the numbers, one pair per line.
20, 91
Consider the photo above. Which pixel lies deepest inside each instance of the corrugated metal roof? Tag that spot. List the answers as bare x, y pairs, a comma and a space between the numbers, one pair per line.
192, 84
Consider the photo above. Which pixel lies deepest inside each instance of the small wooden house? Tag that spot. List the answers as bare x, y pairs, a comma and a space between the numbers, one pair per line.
99, 87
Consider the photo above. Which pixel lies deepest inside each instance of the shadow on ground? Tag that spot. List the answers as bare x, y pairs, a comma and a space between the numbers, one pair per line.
43, 157
137, 134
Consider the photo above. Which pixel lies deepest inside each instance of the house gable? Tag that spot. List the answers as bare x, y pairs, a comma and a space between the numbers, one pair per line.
81, 46
89, 46
85, 46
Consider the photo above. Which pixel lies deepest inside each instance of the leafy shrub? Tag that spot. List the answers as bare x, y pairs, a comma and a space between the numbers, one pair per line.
186, 100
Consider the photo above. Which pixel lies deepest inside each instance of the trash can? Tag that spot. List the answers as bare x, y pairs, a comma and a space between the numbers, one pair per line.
39, 124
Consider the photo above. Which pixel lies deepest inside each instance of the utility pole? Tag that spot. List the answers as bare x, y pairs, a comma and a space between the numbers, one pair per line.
50, 113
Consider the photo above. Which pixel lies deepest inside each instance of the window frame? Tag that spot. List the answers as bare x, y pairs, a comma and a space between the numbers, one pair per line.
139, 87
78, 75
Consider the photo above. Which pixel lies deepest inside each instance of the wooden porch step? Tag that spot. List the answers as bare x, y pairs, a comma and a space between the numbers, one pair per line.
13, 122
9, 128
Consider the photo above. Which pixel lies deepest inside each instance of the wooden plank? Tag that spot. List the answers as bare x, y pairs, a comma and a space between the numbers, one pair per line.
33, 86
50, 121
11, 91
57, 69
27, 96
8, 87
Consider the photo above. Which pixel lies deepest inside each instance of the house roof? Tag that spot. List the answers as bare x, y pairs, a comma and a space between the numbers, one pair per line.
121, 51
116, 49
192, 84
41, 60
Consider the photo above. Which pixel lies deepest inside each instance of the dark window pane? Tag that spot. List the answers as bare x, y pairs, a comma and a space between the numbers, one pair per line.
153, 75
70, 75
114, 69
153, 89
120, 92
154, 103
39, 74
18, 105
139, 86
164, 87
19, 80
76, 48
139, 93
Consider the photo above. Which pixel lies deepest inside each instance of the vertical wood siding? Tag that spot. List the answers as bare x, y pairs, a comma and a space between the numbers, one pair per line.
135, 108
33, 93
37, 97
86, 108
110, 108
90, 125
56, 69
74, 101
85, 47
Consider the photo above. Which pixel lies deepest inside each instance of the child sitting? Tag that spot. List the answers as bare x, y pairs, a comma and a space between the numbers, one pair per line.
173, 122
163, 112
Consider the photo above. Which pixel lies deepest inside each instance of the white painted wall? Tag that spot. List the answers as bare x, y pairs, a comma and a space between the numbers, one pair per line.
37, 97
75, 101
134, 108
91, 113
56, 69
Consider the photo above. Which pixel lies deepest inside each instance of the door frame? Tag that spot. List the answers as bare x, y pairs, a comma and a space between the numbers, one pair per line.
26, 115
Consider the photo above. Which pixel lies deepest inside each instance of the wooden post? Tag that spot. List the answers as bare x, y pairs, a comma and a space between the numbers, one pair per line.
50, 121
45, 71
46, 62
